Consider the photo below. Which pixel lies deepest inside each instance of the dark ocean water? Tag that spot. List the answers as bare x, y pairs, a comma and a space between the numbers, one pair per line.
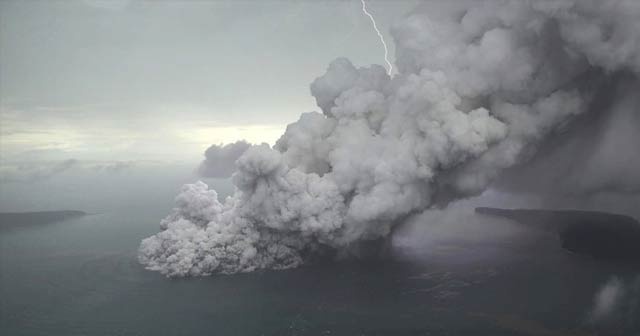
81, 277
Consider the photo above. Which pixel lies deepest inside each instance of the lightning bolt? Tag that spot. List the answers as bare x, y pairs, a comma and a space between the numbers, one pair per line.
373, 21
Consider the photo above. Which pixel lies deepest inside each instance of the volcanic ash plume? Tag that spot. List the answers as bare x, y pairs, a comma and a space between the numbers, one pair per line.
480, 86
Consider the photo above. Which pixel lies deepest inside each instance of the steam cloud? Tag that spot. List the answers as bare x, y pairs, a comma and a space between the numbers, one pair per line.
607, 299
481, 85
615, 304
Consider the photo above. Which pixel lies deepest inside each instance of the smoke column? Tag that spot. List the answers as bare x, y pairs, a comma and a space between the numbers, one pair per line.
480, 86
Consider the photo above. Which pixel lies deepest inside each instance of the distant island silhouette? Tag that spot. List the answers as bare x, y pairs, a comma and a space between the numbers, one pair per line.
597, 234
12, 220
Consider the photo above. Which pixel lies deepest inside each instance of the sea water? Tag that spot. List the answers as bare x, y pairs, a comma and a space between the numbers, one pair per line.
81, 277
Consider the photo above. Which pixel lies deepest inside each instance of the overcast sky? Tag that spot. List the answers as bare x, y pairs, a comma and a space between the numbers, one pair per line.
162, 80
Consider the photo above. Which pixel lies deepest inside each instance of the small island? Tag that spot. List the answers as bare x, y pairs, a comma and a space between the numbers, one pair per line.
11, 220
597, 234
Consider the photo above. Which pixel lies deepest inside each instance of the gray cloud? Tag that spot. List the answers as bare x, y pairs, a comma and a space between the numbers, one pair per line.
130, 52
37, 171
220, 160
114, 167
131, 68
33, 172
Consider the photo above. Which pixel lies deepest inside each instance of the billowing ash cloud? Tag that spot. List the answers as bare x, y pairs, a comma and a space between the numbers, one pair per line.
595, 154
481, 85
219, 160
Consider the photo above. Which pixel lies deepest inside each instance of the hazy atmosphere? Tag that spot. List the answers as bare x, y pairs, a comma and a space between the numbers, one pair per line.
144, 80
343, 167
